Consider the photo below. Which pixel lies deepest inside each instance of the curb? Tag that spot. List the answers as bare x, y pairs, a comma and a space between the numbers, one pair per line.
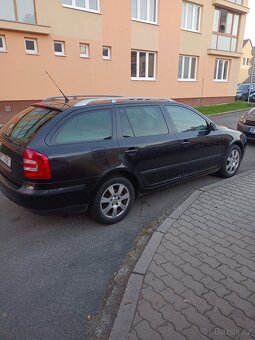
229, 112
127, 309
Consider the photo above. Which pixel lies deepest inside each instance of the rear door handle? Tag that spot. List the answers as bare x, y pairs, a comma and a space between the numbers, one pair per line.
185, 143
131, 151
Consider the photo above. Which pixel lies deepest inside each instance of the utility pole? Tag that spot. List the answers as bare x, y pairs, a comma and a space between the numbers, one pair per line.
252, 73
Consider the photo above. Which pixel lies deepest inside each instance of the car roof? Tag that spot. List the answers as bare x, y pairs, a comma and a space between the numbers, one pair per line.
62, 104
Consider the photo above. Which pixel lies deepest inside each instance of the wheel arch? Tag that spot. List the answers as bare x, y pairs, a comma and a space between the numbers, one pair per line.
240, 145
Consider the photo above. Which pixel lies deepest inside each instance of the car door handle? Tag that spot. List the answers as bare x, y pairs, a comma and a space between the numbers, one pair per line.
131, 151
185, 143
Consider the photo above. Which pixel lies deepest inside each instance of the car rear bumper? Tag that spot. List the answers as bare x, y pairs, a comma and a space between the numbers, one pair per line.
49, 201
248, 130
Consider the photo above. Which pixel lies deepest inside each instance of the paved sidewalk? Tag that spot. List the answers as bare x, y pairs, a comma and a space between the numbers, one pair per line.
196, 277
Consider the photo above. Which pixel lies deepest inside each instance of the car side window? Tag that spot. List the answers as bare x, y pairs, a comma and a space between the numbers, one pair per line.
86, 126
146, 120
126, 130
186, 120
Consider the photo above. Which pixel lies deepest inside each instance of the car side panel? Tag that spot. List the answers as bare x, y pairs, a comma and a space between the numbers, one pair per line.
156, 159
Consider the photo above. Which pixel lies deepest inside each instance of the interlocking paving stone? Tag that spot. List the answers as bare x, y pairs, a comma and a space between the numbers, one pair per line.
201, 281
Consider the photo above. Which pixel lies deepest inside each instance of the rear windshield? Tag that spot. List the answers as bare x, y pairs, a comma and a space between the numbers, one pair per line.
21, 128
243, 87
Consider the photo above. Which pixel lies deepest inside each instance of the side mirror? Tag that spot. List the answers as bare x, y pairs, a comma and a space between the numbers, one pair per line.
212, 126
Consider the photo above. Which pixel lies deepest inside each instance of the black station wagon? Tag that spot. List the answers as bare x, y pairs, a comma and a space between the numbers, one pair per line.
63, 155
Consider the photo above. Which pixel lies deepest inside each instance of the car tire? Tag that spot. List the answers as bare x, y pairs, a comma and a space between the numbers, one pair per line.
113, 200
231, 162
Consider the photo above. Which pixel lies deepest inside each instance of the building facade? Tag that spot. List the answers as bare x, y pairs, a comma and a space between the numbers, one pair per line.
245, 74
186, 50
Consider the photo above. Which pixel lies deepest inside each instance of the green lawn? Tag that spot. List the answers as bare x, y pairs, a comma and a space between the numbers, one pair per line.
221, 108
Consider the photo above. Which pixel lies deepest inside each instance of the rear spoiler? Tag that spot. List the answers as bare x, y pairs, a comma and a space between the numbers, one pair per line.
45, 106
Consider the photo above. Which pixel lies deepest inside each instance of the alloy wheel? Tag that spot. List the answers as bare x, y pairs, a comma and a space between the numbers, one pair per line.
233, 161
115, 200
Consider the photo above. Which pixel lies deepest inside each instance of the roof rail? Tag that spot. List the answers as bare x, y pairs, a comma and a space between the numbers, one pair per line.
116, 99
77, 97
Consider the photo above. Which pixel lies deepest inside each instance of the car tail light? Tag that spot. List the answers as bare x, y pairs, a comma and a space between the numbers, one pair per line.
36, 165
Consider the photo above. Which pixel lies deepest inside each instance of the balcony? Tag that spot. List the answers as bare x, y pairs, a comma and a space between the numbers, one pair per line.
24, 27
20, 15
227, 54
235, 5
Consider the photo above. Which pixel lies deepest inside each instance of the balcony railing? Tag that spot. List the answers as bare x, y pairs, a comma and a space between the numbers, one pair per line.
224, 43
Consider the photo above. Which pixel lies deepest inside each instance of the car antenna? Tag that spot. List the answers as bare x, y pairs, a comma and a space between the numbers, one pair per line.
66, 99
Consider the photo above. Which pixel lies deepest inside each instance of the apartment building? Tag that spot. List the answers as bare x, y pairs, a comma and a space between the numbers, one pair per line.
245, 74
186, 50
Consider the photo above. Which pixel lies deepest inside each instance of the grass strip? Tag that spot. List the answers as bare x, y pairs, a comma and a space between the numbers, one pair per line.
221, 108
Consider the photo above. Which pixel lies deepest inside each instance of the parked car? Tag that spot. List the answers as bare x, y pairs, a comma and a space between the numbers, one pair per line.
252, 97
243, 91
246, 124
102, 153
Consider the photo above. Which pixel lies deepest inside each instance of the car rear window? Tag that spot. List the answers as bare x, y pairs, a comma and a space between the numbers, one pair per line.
21, 128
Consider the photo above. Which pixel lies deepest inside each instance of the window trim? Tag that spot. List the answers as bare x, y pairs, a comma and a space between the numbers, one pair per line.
199, 19
155, 22
146, 78
59, 54
4, 48
31, 52
85, 9
84, 55
217, 69
182, 72
109, 57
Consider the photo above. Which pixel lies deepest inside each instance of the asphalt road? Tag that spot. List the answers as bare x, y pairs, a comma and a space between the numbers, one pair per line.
54, 271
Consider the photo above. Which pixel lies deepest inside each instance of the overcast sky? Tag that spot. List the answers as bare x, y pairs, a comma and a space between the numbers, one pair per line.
250, 23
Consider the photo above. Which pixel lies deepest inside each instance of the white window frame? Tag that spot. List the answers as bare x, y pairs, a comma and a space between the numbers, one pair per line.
3, 49
138, 10
183, 66
86, 55
86, 8
146, 67
237, 2
184, 27
109, 56
59, 54
33, 52
222, 73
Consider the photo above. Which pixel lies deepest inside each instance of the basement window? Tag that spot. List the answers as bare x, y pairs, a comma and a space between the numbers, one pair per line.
2, 44
31, 46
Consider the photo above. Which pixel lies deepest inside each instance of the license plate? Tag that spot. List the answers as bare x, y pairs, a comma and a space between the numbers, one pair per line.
5, 159
251, 130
